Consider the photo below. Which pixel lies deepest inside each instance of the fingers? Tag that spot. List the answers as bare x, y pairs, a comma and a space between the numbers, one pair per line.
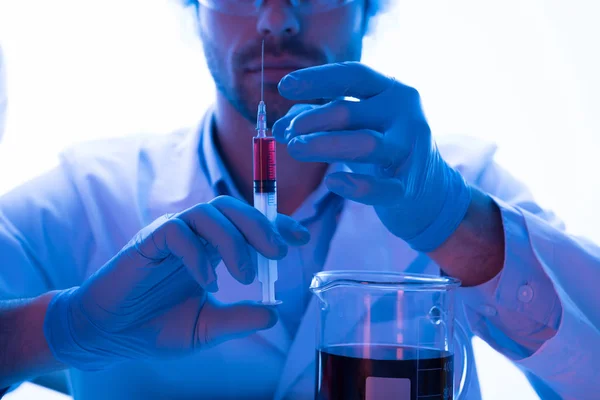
362, 146
231, 227
339, 115
365, 189
225, 227
395, 104
336, 115
331, 81
209, 223
175, 237
218, 323
253, 225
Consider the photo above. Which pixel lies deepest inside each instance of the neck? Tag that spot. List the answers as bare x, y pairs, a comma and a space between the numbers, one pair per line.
234, 140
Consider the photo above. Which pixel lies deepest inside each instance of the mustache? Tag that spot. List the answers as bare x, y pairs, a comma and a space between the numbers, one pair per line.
288, 47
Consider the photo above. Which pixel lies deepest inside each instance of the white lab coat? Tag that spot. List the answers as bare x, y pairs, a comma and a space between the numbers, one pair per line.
116, 187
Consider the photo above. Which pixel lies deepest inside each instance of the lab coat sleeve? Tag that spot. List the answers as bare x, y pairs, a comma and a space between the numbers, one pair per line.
534, 312
44, 236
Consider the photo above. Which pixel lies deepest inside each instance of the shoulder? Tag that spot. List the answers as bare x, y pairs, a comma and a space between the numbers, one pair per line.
124, 160
474, 159
120, 173
122, 152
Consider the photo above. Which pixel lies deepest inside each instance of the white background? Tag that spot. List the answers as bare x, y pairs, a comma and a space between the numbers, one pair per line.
520, 73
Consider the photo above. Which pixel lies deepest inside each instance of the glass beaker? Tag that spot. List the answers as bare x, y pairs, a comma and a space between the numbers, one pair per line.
386, 335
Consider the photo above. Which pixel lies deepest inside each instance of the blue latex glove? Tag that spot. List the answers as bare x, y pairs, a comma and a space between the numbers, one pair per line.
385, 139
151, 300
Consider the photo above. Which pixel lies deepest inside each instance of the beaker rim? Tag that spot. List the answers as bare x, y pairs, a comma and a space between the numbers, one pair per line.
381, 280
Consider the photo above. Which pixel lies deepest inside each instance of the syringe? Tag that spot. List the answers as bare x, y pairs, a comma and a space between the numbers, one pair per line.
265, 189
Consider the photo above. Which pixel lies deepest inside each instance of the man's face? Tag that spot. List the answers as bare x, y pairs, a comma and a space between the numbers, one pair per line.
232, 45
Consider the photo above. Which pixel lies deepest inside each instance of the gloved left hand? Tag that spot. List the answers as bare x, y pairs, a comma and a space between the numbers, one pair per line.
152, 300
385, 139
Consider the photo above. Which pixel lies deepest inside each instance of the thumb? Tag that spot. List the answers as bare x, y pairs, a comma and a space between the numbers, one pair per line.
218, 323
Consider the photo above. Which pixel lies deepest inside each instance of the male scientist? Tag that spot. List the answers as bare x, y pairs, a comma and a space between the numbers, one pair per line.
154, 322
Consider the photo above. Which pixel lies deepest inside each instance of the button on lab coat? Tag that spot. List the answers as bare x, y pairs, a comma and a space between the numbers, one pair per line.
58, 229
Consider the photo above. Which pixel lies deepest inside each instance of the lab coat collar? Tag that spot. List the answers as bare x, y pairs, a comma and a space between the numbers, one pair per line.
179, 181
215, 170
218, 177
189, 171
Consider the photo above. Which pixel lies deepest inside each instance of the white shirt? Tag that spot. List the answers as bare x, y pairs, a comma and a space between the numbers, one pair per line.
58, 229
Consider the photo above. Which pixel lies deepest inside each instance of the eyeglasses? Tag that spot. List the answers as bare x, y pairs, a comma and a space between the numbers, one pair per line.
252, 7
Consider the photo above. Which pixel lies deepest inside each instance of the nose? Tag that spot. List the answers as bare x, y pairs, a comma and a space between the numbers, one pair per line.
277, 18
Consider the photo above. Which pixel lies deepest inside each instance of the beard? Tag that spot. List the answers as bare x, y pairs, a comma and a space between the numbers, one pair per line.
243, 94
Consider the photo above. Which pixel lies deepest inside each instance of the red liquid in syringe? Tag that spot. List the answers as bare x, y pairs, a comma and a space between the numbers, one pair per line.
265, 164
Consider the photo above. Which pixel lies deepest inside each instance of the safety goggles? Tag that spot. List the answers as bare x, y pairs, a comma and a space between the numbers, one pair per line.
252, 7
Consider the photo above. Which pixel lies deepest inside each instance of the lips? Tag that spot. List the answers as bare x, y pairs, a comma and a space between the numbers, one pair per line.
278, 65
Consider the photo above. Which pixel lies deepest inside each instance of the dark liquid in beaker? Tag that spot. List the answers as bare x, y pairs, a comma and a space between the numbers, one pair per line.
378, 372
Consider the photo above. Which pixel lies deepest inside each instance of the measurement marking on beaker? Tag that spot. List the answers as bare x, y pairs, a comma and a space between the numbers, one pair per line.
424, 396
429, 369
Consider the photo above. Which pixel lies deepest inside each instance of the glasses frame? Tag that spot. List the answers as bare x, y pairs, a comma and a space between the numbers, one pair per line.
245, 8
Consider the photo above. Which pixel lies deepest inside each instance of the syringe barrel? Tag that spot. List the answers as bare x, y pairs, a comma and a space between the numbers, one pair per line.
265, 200
265, 165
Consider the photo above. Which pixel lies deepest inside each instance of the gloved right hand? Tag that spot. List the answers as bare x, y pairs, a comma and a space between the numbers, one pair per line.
151, 300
